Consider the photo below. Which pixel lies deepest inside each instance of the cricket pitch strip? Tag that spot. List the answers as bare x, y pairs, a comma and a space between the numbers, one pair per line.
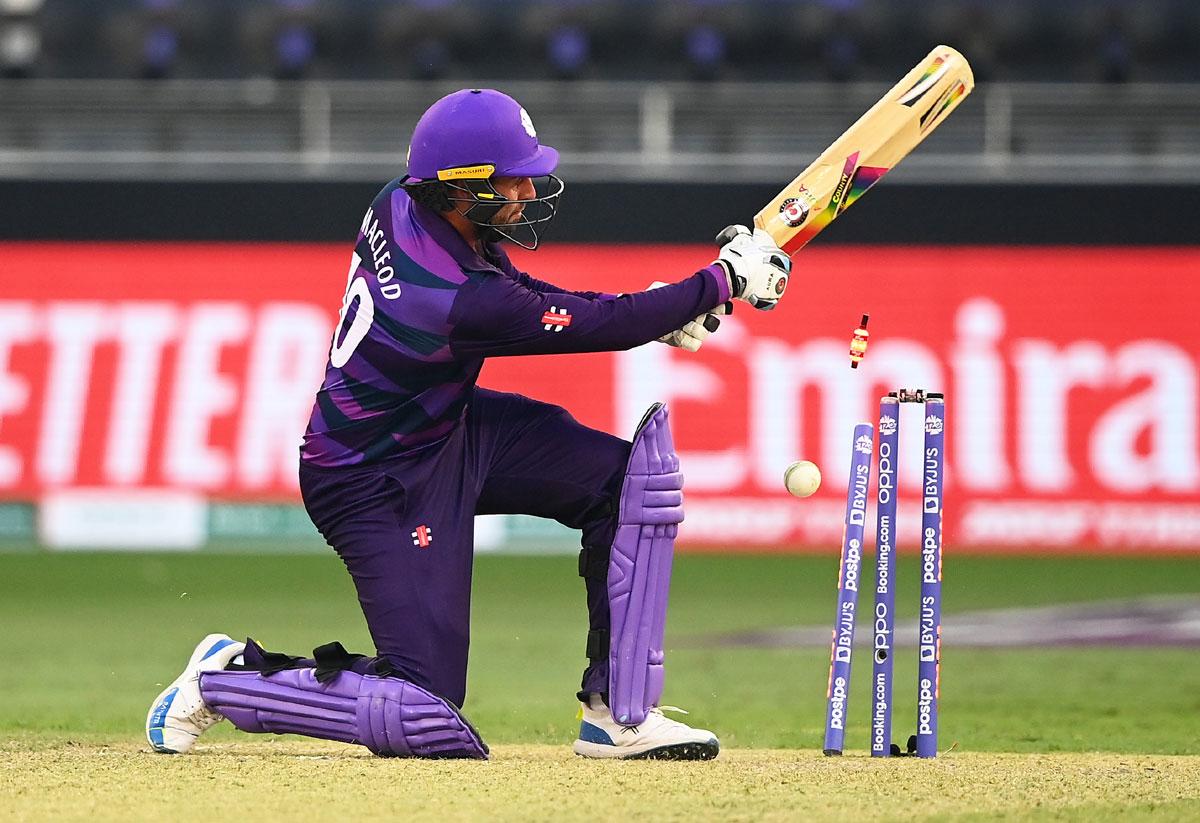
268, 780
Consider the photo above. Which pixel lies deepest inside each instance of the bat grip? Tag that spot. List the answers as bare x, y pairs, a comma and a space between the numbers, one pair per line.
727, 234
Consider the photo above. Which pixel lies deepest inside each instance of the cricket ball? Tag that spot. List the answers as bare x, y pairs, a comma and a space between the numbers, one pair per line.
802, 478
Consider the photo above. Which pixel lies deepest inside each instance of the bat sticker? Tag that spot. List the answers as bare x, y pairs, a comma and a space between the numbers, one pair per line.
927, 81
793, 211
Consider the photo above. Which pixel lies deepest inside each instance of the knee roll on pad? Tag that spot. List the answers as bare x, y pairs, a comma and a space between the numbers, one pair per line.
639, 569
390, 716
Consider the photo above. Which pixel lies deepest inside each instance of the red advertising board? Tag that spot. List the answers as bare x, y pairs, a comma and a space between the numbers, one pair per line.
1070, 376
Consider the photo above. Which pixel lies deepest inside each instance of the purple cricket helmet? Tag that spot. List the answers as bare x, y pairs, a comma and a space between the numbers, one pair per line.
463, 141
473, 128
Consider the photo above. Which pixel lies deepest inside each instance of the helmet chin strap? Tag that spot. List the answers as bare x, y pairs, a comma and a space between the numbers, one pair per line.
490, 234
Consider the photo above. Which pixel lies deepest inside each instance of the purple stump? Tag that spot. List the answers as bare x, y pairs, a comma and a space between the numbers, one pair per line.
848, 577
885, 577
930, 642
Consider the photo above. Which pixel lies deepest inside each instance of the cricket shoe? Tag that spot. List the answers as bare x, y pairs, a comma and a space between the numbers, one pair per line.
178, 716
657, 738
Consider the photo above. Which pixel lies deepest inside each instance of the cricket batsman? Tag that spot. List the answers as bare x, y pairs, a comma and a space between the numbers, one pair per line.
403, 449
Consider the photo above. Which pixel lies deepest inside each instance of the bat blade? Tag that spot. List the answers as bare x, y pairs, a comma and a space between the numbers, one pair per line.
866, 151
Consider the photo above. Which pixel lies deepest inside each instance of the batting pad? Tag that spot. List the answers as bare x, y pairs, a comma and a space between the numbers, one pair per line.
639, 570
390, 716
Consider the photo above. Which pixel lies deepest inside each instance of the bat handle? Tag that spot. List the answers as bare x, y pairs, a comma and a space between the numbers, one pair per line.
727, 234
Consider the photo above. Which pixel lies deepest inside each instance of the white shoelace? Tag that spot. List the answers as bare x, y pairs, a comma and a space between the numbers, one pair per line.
661, 709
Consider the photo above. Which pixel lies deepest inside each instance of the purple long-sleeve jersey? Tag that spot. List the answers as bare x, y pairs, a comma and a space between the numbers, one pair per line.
422, 310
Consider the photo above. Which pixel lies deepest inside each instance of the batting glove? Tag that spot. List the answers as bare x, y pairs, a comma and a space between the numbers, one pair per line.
756, 267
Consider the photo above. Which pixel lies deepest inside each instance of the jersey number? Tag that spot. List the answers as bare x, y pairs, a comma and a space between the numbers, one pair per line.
341, 350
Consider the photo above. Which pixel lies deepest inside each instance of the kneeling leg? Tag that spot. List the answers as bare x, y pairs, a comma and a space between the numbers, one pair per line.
338, 701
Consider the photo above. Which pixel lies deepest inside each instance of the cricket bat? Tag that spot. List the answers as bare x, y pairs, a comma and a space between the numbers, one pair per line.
867, 150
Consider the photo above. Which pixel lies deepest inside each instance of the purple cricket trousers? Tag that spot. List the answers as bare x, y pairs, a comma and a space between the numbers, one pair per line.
404, 527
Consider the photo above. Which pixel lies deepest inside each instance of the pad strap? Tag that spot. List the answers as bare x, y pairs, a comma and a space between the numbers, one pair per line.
639, 571
331, 660
597, 644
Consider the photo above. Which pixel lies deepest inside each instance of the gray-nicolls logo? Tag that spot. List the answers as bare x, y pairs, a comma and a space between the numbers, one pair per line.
556, 319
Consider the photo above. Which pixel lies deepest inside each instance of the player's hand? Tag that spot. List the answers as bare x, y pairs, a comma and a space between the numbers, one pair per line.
693, 334
757, 268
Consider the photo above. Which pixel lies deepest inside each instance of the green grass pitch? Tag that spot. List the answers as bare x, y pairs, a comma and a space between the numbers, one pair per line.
89, 639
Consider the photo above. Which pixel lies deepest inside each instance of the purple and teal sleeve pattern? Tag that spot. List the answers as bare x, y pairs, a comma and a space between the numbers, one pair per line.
424, 310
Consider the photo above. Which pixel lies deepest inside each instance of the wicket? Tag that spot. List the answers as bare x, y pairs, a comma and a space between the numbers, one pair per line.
848, 578
924, 742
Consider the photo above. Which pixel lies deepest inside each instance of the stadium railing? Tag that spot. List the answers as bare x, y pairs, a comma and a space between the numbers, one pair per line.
741, 132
